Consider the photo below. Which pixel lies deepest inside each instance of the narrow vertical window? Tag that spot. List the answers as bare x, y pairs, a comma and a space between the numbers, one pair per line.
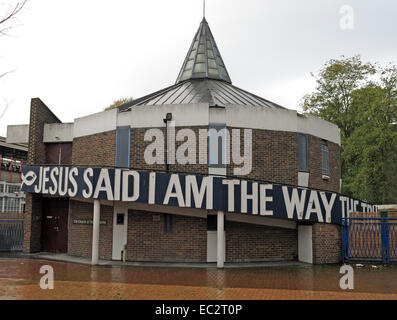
324, 158
168, 222
123, 136
217, 139
303, 152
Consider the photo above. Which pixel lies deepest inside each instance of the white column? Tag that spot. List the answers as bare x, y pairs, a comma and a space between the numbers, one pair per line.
305, 244
220, 240
95, 232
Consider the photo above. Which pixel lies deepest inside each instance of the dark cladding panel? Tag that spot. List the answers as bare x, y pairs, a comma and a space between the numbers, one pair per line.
58, 153
123, 137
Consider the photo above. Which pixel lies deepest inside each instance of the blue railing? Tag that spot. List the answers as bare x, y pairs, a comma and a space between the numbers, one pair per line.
11, 235
369, 239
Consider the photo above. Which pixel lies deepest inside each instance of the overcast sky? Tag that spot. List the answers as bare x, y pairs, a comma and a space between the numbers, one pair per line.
80, 55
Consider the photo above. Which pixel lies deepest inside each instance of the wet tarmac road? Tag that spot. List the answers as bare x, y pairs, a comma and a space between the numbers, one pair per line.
19, 279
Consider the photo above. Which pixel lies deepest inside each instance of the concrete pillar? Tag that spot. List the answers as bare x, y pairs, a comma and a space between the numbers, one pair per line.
221, 240
305, 244
95, 232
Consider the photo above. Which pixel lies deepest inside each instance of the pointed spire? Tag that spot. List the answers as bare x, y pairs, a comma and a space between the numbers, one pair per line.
203, 59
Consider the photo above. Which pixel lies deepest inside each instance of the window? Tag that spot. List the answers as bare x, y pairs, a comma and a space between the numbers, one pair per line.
217, 140
212, 223
324, 158
12, 205
12, 188
168, 219
303, 152
123, 136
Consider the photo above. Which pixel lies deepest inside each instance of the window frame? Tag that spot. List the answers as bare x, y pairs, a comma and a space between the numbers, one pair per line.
117, 160
307, 158
324, 164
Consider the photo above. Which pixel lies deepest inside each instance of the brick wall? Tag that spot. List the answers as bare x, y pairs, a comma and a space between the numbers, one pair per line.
274, 156
80, 235
32, 223
253, 243
327, 243
334, 162
95, 150
147, 240
39, 115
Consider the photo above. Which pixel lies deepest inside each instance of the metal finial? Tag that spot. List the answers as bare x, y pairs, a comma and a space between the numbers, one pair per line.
203, 8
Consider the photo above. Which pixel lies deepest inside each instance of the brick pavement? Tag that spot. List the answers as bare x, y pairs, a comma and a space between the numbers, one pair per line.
19, 279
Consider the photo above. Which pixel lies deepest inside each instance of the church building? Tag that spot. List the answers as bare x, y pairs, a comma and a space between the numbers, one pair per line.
199, 172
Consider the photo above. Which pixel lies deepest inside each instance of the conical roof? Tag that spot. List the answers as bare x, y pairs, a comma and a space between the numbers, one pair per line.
202, 79
203, 59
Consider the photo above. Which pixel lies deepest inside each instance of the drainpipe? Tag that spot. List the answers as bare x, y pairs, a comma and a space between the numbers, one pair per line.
167, 119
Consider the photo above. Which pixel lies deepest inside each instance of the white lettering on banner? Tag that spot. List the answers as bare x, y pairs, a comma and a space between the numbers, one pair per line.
63, 174
207, 192
206, 189
73, 172
343, 201
87, 181
253, 197
45, 180
328, 205
314, 207
152, 188
117, 178
174, 183
264, 199
107, 187
355, 204
126, 185
54, 188
294, 203
230, 192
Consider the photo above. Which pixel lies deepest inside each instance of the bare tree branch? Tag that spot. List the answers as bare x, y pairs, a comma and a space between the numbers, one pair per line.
13, 11
5, 18
5, 73
7, 104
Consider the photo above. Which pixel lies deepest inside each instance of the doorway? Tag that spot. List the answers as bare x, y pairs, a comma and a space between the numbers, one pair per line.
54, 230
120, 227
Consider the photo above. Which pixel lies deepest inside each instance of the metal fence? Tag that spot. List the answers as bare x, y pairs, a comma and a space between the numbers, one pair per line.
11, 235
369, 239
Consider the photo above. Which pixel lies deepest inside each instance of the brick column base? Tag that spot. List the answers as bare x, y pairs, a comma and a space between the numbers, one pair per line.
32, 223
327, 243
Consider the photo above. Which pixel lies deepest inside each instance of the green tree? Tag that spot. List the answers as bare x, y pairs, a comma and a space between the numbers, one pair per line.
362, 100
118, 103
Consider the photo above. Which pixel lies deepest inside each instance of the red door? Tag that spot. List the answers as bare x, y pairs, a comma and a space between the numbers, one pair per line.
54, 232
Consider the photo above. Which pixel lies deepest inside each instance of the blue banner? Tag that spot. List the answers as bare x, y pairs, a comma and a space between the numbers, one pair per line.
192, 191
